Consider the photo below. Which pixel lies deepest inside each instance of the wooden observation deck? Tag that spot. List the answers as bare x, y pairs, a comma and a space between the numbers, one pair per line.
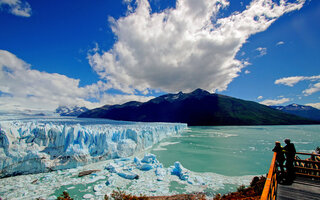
306, 186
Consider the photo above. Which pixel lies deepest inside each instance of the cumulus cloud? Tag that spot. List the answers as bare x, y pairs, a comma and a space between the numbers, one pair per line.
262, 51
313, 89
280, 43
16, 7
24, 88
315, 105
291, 81
260, 97
182, 48
271, 102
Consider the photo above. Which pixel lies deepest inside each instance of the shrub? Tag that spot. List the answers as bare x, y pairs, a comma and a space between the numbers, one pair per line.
64, 196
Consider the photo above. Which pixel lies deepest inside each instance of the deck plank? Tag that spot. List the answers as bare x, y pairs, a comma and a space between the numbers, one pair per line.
301, 189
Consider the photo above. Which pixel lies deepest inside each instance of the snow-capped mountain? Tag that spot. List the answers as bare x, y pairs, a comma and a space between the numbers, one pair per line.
300, 110
70, 110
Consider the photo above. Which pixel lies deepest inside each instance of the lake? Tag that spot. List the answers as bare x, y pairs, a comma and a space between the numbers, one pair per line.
233, 150
219, 158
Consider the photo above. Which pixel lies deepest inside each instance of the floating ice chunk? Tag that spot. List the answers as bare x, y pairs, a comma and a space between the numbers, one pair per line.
97, 188
146, 167
111, 179
112, 168
128, 175
121, 161
252, 148
149, 158
137, 161
180, 171
98, 194
88, 196
124, 159
148, 162
199, 180
96, 178
108, 182
160, 173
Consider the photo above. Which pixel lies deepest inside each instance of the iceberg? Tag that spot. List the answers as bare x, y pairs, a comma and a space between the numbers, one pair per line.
180, 171
148, 162
33, 146
112, 168
128, 175
160, 172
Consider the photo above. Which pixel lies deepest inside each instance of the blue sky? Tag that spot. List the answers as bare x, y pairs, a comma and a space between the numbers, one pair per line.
100, 52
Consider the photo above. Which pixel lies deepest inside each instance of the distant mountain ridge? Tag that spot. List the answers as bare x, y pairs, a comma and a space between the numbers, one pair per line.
70, 110
198, 108
300, 110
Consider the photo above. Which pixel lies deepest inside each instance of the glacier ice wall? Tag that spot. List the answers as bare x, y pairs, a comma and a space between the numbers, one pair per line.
42, 146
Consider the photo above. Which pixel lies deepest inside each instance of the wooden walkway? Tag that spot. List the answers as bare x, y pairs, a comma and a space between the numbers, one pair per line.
305, 187
301, 189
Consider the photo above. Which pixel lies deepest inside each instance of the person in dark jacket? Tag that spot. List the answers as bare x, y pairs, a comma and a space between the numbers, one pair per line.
280, 156
290, 152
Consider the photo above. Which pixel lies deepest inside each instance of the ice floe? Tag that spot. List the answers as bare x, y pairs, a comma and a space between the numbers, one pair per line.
125, 174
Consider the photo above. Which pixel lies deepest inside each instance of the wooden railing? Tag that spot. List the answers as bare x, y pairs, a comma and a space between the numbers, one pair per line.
309, 167
270, 187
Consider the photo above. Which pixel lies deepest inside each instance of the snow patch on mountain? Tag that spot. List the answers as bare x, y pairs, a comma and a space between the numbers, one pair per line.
70, 110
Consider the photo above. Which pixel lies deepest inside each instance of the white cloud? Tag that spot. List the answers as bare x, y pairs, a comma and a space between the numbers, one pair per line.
291, 81
262, 51
128, 3
16, 7
280, 43
315, 105
271, 102
181, 49
260, 97
122, 98
247, 72
313, 89
26, 88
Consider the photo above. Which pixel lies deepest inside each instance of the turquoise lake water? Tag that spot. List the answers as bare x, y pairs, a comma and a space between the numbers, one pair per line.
230, 151
233, 150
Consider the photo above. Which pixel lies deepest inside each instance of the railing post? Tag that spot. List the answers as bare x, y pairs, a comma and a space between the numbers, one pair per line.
270, 187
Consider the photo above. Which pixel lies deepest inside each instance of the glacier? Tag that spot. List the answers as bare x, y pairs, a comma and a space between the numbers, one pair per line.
48, 144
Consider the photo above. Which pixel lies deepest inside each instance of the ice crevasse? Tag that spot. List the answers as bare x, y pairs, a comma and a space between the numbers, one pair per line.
33, 147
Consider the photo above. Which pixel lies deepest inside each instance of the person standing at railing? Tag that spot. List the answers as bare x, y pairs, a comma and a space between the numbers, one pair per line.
280, 156
290, 152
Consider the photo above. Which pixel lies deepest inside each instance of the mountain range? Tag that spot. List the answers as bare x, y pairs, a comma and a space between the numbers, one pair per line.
70, 110
198, 108
300, 110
